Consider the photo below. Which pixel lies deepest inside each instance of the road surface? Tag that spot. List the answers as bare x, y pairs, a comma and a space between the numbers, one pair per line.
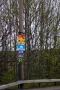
49, 88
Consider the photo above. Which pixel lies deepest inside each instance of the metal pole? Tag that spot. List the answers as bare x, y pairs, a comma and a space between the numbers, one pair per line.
20, 65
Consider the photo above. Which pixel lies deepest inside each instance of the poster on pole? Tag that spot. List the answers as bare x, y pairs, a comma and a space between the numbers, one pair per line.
20, 46
21, 39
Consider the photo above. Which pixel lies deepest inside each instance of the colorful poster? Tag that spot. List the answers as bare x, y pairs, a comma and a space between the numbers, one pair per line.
21, 39
20, 47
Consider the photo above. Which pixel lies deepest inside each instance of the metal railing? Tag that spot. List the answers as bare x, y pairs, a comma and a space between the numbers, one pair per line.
27, 81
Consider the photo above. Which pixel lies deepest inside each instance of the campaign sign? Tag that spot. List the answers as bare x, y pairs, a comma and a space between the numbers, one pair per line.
20, 47
21, 59
21, 39
20, 52
20, 55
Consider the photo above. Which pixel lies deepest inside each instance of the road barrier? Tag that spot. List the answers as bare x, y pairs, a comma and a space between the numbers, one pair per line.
27, 81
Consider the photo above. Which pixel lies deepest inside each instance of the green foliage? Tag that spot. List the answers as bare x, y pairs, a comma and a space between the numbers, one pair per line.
41, 64
46, 64
7, 67
8, 77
